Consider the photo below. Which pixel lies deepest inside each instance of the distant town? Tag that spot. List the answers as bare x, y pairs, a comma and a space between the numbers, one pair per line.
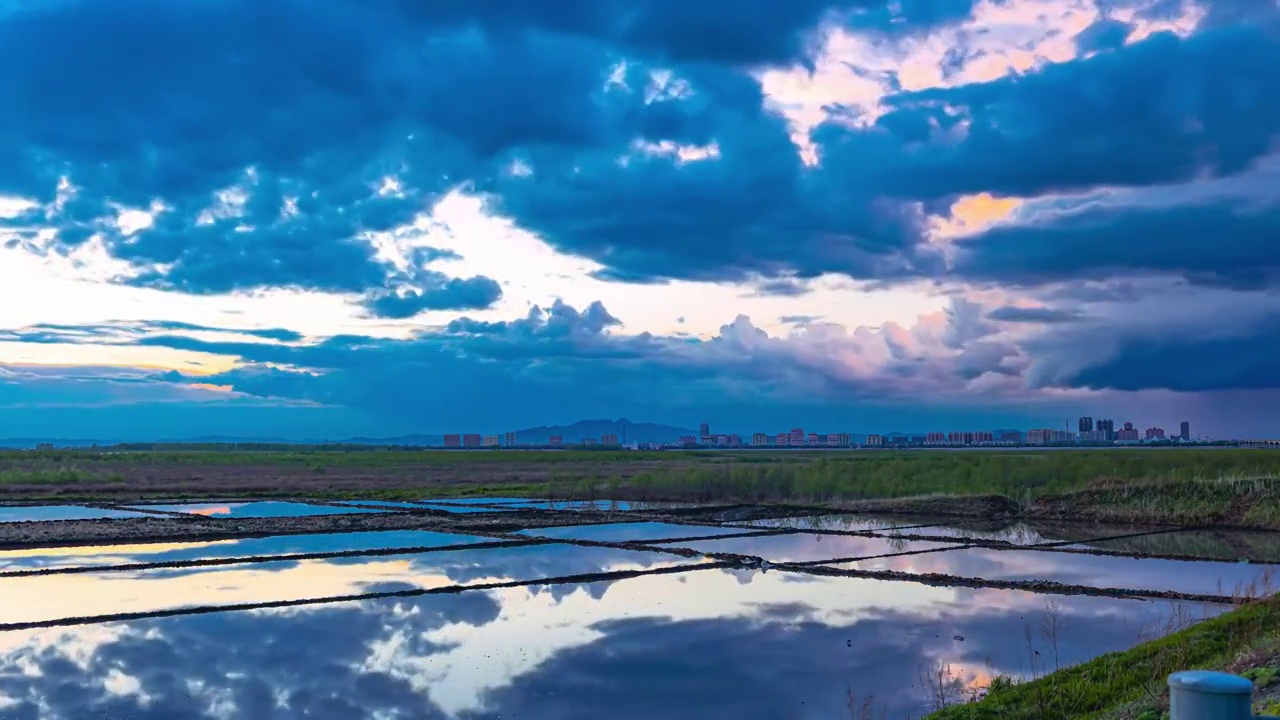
1088, 433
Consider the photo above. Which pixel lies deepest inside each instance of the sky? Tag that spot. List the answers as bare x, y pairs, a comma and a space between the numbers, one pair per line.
331, 218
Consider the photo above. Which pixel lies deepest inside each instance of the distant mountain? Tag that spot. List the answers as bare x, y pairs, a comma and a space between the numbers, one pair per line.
401, 440
623, 428
28, 443
626, 431
232, 440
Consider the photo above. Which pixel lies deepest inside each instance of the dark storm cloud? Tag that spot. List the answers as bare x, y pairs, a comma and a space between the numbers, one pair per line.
298, 112
1159, 111
440, 292
265, 132
782, 287
126, 332
908, 16
1104, 34
712, 31
1042, 315
1239, 353
751, 209
1201, 233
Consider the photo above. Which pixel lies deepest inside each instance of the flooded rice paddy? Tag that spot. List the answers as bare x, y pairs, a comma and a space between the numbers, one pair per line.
266, 509
40, 513
502, 608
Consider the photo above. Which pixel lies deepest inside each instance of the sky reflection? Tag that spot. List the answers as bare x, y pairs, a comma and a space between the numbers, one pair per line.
704, 644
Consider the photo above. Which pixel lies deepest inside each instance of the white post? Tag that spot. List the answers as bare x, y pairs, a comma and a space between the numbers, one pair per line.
1204, 695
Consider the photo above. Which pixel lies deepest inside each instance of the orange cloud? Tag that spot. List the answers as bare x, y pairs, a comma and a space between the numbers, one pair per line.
972, 213
211, 387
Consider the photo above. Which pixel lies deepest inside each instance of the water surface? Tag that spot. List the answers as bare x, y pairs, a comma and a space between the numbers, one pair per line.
51, 597
628, 532
1206, 577
29, 513
802, 547
704, 645
1254, 546
122, 554
261, 509
703, 642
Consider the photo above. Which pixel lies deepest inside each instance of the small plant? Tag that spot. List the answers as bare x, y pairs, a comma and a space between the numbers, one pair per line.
1262, 676
1271, 708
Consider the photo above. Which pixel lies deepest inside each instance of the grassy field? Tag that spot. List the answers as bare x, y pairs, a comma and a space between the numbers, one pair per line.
1238, 487
1130, 685
861, 473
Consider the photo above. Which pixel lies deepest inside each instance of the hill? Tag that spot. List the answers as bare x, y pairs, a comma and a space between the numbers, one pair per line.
626, 431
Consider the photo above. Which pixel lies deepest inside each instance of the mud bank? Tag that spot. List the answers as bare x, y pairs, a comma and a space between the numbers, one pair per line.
168, 526
174, 527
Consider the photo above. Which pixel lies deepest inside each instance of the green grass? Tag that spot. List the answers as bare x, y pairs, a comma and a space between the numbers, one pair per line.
1012, 474
1130, 684
348, 456
897, 472
1189, 486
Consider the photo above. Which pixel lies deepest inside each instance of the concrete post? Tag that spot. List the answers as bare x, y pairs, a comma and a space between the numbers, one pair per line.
1204, 695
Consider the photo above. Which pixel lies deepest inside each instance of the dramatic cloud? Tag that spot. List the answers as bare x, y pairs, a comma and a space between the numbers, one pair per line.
1220, 232
418, 212
1043, 315
1162, 110
440, 293
1216, 340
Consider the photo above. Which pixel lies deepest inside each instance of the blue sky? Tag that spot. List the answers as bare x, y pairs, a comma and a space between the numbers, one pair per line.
333, 218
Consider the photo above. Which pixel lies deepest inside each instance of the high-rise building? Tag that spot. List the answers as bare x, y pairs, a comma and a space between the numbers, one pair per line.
471, 440
759, 440
1086, 425
1185, 430
1108, 428
609, 439
839, 440
704, 433
688, 440
784, 439
1154, 433
797, 436
509, 439
875, 441
452, 441
1039, 436
815, 439
491, 441
935, 438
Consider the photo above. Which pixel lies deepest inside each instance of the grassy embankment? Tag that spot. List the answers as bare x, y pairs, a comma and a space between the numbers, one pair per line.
1234, 487
1131, 685
1186, 486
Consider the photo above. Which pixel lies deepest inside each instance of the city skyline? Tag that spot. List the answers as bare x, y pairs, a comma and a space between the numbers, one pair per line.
831, 213
1104, 433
